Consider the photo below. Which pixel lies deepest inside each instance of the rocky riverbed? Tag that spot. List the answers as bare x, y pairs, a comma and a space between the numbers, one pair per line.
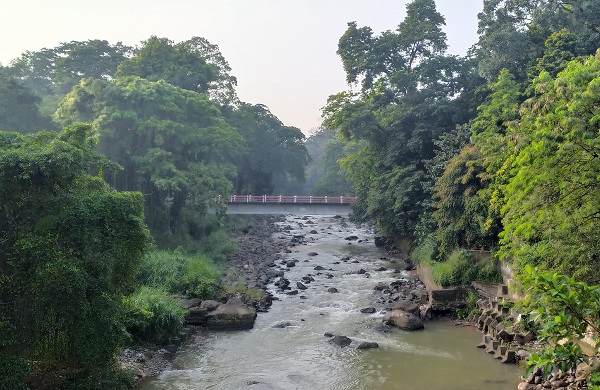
338, 295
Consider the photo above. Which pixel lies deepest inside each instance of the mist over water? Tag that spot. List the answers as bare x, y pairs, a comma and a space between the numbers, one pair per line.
442, 357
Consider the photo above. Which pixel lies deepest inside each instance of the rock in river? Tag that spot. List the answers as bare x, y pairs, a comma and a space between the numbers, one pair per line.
403, 320
341, 341
234, 314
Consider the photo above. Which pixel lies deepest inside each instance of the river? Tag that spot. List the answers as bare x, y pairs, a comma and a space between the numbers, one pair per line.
441, 357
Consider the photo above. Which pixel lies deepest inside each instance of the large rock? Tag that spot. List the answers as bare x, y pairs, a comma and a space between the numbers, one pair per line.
403, 320
407, 306
234, 314
341, 341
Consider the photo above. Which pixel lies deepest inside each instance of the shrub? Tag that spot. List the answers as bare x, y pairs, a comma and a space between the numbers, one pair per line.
200, 277
426, 251
460, 269
179, 273
152, 315
218, 245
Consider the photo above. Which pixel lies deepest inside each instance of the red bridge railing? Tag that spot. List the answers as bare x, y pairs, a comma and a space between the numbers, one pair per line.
305, 199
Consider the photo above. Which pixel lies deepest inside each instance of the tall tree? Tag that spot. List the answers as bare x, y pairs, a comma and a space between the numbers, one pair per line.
19, 107
57, 70
407, 99
271, 150
162, 59
512, 32
69, 249
551, 216
173, 144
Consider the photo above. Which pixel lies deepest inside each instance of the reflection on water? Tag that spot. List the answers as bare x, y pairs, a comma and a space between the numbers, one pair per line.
442, 357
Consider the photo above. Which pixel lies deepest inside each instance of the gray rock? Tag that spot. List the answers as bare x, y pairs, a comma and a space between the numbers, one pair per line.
312, 254
367, 345
188, 303
234, 314
407, 306
332, 290
403, 320
209, 305
368, 310
301, 286
341, 341
283, 324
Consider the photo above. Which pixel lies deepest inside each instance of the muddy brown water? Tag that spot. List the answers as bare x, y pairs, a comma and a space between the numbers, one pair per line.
441, 357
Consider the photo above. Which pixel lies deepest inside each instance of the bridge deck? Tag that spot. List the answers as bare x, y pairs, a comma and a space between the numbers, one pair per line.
296, 205
287, 199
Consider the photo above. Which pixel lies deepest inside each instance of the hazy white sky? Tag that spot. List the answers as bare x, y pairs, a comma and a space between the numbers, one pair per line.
281, 51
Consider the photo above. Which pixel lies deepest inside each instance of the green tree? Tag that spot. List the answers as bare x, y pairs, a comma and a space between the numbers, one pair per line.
407, 99
51, 73
173, 144
512, 32
69, 251
551, 212
271, 150
182, 64
19, 107
335, 180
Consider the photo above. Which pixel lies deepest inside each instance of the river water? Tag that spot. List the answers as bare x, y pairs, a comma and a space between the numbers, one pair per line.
299, 357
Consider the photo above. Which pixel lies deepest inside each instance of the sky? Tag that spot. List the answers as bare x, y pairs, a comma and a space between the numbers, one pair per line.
282, 52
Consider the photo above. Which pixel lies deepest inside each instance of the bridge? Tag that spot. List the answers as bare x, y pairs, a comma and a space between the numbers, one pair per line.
292, 204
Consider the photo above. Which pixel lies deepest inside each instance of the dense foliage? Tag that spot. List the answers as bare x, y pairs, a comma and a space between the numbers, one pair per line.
70, 248
518, 173
76, 280
564, 311
496, 152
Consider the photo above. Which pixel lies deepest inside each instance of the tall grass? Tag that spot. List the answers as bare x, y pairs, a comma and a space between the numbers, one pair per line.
153, 315
461, 269
179, 273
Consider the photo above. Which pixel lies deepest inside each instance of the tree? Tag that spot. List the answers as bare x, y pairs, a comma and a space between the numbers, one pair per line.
512, 32
551, 213
57, 70
407, 99
183, 64
173, 144
327, 151
19, 107
69, 249
271, 149
51, 73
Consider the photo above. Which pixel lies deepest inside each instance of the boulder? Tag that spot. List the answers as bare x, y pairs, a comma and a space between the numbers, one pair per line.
312, 254
367, 345
301, 286
332, 290
407, 306
341, 341
368, 310
210, 305
189, 303
403, 320
234, 314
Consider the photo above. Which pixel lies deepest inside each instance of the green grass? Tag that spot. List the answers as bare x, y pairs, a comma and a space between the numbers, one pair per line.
461, 269
152, 315
179, 273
